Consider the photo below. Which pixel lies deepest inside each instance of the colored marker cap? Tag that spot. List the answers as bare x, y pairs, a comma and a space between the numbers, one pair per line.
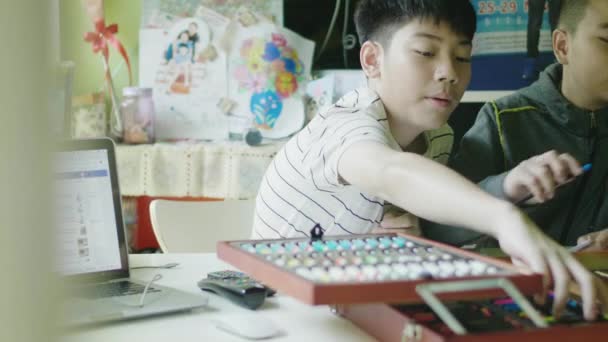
587, 167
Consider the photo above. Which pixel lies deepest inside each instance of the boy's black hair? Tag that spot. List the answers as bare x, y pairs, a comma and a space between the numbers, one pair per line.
379, 19
571, 14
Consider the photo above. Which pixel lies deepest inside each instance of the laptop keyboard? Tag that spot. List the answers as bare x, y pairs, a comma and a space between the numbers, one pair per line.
117, 289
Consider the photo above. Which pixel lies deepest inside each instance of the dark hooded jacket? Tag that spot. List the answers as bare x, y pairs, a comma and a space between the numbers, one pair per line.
530, 122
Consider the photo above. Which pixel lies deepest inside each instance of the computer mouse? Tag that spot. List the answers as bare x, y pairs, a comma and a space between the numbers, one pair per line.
249, 326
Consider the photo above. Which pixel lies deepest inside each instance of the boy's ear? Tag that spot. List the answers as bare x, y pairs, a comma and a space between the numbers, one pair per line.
561, 45
370, 56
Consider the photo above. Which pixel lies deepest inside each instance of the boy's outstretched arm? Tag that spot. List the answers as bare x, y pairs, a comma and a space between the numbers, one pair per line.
434, 192
413, 183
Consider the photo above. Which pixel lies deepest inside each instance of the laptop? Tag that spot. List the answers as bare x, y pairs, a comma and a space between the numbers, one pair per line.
91, 250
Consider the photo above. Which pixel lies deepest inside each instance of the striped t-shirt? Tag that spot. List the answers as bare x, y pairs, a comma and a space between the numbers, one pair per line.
301, 187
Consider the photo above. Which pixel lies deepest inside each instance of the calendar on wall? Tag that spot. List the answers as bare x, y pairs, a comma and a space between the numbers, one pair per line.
502, 27
503, 58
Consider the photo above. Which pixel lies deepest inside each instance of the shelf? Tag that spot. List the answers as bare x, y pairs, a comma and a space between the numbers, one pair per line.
484, 95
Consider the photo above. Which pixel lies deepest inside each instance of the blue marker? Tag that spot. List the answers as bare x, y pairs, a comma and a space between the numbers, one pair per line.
586, 168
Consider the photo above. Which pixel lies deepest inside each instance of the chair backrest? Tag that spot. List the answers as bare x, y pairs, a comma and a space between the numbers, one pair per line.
194, 227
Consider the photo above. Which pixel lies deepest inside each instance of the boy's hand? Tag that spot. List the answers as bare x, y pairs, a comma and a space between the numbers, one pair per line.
599, 240
398, 222
523, 241
406, 230
540, 175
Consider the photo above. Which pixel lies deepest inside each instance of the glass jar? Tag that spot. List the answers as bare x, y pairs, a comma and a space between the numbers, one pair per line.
137, 109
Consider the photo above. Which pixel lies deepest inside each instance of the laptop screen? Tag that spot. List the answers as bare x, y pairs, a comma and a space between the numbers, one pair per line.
87, 237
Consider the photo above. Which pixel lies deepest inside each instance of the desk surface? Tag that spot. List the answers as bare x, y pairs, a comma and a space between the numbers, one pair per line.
300, 322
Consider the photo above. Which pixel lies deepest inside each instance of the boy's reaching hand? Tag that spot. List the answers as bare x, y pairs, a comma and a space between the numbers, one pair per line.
540, 175
398, 221
599, 240
523, 241
456, 201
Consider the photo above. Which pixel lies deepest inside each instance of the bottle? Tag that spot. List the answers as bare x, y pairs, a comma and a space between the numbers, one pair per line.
137, 109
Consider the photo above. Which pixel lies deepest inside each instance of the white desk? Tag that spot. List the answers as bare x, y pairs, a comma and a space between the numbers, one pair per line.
300, 322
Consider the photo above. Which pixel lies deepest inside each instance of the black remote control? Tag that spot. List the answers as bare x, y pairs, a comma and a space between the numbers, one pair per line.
237, 287
236, 274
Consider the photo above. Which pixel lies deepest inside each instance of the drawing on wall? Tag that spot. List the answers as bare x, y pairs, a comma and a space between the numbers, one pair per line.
188, 73
209, 71
268, 68
181, 55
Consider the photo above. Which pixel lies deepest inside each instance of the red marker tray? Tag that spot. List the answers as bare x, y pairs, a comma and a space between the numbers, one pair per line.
366, 268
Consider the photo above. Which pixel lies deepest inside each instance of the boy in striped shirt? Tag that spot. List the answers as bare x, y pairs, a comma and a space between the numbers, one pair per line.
385, 143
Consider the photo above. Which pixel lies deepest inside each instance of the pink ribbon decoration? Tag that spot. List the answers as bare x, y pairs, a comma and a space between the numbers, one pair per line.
102, 36
99, 39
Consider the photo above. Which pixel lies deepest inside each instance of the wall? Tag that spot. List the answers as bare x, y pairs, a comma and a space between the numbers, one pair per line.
89, 76
26, 290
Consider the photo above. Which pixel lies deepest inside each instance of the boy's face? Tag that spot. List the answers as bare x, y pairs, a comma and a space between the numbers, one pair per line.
587, 57
424, 72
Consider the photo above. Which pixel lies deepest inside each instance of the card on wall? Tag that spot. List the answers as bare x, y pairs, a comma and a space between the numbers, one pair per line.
187, 71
